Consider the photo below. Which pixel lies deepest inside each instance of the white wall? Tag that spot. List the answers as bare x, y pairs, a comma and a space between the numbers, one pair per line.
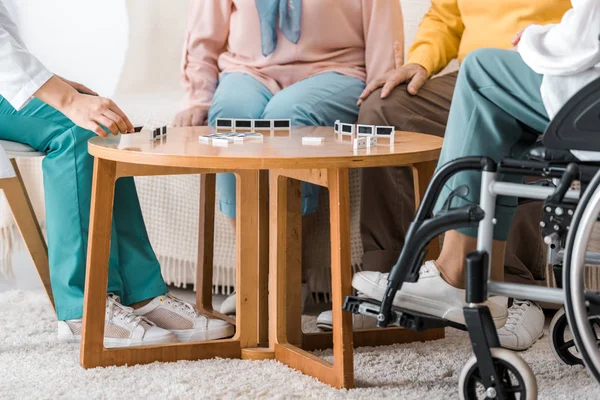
123, 46
156, 34
83, 40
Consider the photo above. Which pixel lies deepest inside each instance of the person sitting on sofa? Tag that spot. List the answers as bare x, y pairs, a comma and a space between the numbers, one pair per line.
503, 101
56, 116
307, 61
412, 100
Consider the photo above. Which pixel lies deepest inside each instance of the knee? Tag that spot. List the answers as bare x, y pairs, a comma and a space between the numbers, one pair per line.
391, 111
233, 107
480, 61
76, 136
238, 96
299, 114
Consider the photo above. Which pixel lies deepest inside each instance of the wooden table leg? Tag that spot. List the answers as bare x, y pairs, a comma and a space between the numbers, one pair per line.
341, 276
285, 255
263, 274
247, 258
285, 279
22, 210
284, 230
93, 353
206, 235
96, 277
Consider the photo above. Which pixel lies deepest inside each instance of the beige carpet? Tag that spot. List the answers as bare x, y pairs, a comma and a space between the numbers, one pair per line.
34, 365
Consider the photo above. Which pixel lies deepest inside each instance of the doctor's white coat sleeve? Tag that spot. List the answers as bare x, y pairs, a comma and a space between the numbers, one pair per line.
21, 74
567, 48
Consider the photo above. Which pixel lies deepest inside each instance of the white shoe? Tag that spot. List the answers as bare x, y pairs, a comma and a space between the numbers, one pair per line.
228, 306
182, 318
524, 326
430, 295
325, 321
123, 328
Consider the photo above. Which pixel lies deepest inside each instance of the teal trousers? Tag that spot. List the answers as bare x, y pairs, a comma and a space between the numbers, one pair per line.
316, 101
134, 272
497, 111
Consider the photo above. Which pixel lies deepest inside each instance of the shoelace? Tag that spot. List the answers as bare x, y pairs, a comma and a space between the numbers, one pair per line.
514, 314
182, 305
115, 309
426, 269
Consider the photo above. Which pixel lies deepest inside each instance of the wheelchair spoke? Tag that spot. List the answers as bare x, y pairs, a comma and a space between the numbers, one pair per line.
514, 389
567, 345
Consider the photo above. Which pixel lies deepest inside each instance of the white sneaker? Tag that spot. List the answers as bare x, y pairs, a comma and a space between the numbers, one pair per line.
123, 328
325, 321
524, 326
228, 306
182, 318
430, 295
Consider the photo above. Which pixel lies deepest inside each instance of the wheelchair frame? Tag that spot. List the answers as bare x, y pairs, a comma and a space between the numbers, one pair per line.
568, 219
559, 210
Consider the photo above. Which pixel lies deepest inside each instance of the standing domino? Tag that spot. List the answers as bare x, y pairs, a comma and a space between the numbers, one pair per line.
371, 141
386, 132
360, 143
336, 126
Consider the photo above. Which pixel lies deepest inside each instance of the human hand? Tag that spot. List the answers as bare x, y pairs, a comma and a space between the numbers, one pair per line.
414, 74
86, 111
517, 39
89, 112
193, 116
78, 86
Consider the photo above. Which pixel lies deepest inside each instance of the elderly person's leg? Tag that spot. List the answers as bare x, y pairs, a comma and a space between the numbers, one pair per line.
238, 95
497, 112
315, 101
387, 197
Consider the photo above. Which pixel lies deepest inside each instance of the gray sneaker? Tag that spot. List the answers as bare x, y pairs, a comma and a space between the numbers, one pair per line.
123, 328
524, 326
184, 321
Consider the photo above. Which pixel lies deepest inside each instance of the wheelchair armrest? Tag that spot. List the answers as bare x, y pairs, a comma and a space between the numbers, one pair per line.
577, 124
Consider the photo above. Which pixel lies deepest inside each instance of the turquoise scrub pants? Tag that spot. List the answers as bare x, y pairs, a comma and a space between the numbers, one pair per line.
315, 101
134, 272
497, 111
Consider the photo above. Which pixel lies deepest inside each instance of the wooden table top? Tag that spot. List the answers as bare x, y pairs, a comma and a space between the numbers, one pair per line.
182, 148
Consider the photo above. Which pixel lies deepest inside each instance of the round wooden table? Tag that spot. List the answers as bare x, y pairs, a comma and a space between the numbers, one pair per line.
268, 238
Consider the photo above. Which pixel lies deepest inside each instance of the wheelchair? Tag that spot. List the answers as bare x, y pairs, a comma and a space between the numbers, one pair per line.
569, 153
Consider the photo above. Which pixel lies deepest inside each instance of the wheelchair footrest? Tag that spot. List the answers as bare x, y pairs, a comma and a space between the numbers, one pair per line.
404, 318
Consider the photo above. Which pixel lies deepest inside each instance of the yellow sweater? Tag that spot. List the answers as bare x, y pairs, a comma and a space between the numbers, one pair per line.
453, 28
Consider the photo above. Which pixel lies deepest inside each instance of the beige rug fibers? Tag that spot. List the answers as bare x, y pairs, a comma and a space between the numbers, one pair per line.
35, 366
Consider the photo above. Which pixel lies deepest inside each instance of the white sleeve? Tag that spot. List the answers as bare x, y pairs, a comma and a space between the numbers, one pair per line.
21, 74
566, 48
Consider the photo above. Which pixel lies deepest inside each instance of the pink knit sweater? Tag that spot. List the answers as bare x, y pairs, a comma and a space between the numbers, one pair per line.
357, 38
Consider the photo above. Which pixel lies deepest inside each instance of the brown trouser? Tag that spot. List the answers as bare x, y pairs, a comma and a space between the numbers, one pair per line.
387, 198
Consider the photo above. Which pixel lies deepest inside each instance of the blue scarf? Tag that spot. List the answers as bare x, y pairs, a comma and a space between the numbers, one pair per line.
290, 12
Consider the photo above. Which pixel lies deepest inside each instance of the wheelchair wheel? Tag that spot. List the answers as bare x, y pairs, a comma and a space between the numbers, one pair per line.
582, 305
517, 380
561, 340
